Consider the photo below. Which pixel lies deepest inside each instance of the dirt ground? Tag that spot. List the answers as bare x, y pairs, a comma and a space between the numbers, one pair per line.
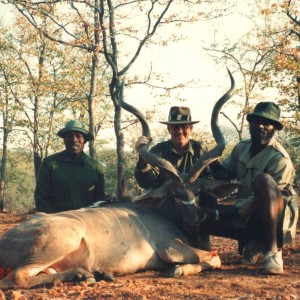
232, 281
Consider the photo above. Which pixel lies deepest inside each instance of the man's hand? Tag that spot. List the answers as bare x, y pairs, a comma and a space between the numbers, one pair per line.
142, 140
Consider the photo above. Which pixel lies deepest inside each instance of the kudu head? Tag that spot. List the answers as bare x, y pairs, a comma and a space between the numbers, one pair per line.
179, 185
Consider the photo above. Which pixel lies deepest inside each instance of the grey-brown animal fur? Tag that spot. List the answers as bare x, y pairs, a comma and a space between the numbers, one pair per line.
116, 239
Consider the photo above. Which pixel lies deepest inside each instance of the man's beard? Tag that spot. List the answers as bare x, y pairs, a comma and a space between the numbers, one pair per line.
261, 137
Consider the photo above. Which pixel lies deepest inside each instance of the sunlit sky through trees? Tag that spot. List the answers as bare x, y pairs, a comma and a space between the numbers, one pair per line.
187, 60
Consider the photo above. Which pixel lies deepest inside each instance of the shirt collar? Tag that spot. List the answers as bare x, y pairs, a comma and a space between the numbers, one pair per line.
189, 148
256, 160
67, 157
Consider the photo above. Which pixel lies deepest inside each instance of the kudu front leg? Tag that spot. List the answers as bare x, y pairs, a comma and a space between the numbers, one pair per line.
210, 260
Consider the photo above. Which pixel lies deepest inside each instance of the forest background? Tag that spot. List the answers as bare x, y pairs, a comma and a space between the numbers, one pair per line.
65, 59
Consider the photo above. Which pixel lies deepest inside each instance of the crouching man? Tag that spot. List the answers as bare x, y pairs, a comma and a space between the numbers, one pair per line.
264, 217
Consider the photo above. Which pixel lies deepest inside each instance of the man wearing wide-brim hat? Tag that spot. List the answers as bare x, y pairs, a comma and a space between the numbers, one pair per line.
70, 179
265, 214
180, 150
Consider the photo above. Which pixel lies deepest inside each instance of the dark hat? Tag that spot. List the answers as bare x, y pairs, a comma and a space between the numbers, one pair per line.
267, 110
179, 115
75, 125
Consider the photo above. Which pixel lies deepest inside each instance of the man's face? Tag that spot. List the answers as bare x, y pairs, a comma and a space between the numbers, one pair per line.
261, 131
74, 142
180, 134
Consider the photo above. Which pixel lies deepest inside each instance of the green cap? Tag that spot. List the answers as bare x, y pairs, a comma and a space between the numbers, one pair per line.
77, 126
267, 110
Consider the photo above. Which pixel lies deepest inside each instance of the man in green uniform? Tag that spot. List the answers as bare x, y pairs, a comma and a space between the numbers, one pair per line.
70, 179
264, 216
182, 152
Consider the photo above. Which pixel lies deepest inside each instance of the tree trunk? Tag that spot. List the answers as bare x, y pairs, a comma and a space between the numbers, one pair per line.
121, 176
37, 153
298, 90
3, 165
37, 160
92, 149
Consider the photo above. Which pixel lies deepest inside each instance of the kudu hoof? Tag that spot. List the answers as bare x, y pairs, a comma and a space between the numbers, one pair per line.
82, 275
173, 272
108, 277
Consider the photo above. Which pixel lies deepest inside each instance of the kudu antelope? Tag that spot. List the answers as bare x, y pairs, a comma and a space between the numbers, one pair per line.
183, 187
117, 239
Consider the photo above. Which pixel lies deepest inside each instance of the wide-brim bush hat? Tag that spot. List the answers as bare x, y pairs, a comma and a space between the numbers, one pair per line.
75, 125
179, 115
267, 110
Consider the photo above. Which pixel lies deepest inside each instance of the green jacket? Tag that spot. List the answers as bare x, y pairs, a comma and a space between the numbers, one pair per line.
151, 177
273, 160
63, 184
